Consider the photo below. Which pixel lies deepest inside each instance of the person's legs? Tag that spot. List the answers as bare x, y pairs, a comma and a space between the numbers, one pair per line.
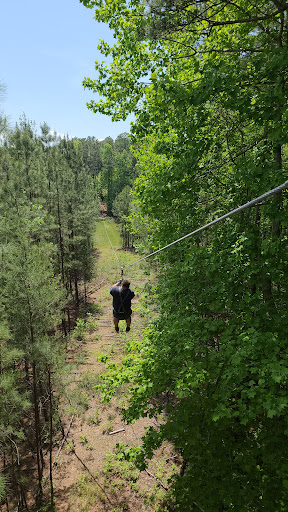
128, 323
116, 322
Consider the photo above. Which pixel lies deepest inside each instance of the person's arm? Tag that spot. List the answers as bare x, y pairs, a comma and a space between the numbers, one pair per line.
113, 288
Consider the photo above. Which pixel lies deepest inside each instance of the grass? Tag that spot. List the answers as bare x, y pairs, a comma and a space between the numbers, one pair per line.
89, 494
94, 309
81, 357
108, 265
88, 381
95, 418
120, 472
78, 401
122, 469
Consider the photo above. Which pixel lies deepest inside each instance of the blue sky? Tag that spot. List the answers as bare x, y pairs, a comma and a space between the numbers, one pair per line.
47, 48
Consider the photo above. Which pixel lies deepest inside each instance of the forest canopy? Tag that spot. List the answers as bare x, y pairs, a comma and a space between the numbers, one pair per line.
207, 82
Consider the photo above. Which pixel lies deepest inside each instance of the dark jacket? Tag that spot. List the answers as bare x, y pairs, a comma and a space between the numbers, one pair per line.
122, 299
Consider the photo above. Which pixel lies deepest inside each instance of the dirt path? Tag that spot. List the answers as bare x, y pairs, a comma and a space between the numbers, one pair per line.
88, 477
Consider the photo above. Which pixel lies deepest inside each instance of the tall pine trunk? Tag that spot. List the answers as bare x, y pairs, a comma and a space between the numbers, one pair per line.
51, 438
37, 437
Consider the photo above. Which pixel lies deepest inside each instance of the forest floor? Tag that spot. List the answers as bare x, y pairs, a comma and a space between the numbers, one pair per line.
88, 476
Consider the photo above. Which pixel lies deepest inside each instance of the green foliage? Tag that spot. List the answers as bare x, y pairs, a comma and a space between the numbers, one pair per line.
13, 403
121, 209
117, 466
48, 508
107, 179
91, 323
88, 380
118, 169
47, 202
119, 375
210, 134
3, 484
70, 447
90, 149
121, 203
80, 329
84, 439
95, 309
83, 327
78, 400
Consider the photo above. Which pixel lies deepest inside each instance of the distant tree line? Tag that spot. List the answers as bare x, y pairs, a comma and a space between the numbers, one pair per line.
113, 168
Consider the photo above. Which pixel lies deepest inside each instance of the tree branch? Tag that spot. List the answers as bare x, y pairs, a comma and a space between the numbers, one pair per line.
157, 480
247, 20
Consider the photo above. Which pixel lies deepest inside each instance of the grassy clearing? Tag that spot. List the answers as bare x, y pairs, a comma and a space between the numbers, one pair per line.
108, 266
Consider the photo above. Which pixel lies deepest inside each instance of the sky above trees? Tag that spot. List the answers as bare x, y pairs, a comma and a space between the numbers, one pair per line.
49, 49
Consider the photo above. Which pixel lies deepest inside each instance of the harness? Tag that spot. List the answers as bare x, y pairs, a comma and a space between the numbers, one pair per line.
121, 308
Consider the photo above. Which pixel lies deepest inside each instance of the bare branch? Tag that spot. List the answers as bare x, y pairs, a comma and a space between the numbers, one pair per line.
157, 480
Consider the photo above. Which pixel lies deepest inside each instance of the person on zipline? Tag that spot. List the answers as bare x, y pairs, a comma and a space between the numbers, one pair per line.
122, 296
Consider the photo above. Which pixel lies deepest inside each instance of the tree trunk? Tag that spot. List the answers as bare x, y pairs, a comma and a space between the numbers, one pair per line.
85, 292
76, 291
64, 327
69, 320
37, 437
51, 438
61, 244
4, 467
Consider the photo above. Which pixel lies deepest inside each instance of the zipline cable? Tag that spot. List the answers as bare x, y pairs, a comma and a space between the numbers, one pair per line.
229, 214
